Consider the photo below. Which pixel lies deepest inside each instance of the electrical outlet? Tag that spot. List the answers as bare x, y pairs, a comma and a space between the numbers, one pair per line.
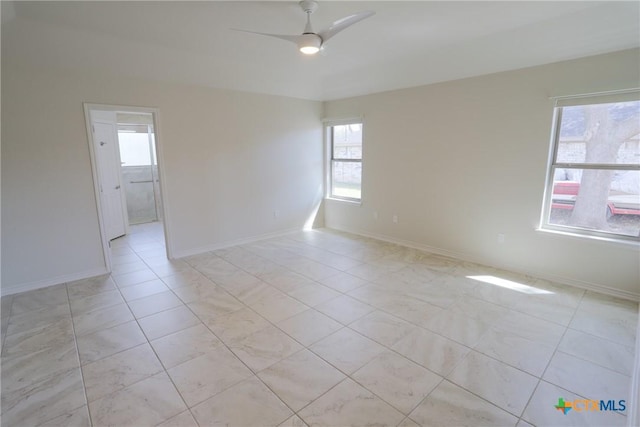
395, 219
501, 238
375, 215
276, 214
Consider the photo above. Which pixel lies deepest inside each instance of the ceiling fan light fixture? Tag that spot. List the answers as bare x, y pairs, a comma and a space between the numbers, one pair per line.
310, 44
309, 50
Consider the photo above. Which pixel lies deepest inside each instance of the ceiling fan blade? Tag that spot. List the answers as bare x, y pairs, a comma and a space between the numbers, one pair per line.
344, 23
293, 39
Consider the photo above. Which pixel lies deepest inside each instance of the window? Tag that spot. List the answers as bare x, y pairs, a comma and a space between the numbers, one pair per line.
345, 165
593, 187
137, 145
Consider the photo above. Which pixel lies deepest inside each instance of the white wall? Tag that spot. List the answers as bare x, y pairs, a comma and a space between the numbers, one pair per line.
462, 161
231, 159
459, 162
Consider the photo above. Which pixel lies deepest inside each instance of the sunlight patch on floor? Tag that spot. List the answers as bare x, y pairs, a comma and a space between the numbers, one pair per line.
504, 283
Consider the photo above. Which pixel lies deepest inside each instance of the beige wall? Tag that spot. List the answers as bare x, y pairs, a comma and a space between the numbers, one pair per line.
462, 161
442, 157
231, 159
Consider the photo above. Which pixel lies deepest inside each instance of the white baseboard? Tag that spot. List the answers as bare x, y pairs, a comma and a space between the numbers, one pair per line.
23, 287
30, 286
596, 287
229, 243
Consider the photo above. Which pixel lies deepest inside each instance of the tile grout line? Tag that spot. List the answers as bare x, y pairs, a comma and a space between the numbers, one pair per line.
465, 356
394, 351
75, 342
473, 392
253, 373
136, 346
165, 370
389, 403
343, 327
367, 282
555, 351
304, 346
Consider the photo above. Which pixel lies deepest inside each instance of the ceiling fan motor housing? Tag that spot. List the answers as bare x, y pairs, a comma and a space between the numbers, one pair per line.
309, 6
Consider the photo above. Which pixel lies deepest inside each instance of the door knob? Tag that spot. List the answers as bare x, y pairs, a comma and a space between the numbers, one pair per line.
117, 187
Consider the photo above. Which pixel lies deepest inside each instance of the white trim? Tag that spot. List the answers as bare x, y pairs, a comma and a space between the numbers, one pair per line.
162, 176
106, 253
633, 418
631, 244
596, 287
38, 284
326, 166
605, 93
229, 243
357, 202
337, 121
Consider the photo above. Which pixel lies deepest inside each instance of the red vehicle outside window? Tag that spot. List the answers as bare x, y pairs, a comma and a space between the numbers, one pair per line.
565, 193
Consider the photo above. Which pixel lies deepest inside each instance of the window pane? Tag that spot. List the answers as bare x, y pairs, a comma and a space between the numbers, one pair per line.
600, 133
347, 141
599, 200
134, 149
346, 179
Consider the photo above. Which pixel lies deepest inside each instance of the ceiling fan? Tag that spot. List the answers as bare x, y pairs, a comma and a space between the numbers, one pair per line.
310, 42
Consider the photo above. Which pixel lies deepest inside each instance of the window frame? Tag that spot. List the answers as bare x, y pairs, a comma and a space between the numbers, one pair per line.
553, 164
329, 136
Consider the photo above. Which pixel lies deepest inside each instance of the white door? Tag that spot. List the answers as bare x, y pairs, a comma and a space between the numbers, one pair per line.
105, 141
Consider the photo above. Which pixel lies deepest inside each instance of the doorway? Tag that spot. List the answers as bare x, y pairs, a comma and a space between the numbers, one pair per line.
139, 167
127, 179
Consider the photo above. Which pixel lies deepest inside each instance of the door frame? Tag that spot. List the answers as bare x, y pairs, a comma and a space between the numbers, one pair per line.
155, 114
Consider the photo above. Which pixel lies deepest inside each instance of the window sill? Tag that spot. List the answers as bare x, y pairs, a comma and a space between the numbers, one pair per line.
351, 202
608, 240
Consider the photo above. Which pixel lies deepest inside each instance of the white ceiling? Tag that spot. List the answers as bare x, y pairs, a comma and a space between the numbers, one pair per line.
407, 43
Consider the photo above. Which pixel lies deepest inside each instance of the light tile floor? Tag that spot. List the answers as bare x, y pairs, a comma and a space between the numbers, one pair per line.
317, 328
